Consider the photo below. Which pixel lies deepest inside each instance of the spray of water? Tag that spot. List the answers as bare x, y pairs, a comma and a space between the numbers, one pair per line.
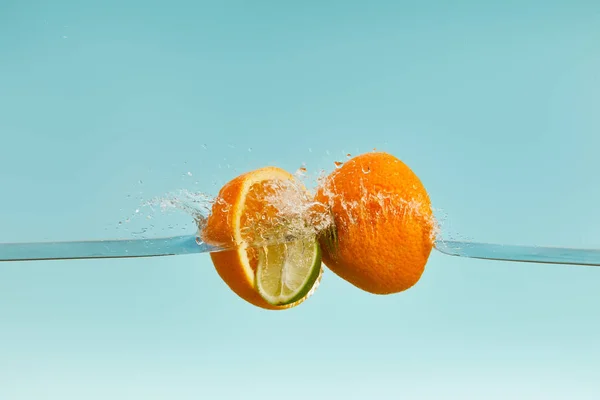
292, 212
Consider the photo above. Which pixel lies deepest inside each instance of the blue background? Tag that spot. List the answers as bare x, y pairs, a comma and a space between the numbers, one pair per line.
495, 105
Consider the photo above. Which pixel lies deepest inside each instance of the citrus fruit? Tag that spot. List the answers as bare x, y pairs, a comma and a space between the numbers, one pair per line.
286, 271
383, 227
274, 261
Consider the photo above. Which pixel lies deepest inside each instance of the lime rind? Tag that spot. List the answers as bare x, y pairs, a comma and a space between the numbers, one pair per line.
288, 272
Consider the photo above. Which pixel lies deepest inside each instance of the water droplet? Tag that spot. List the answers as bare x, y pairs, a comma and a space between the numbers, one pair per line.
301, 171
338, 164
348, 155
137, 210
204, 146
64, 37
249, 149
141, 232
189, 174
366, 169
310, 150
141, 182
198, 240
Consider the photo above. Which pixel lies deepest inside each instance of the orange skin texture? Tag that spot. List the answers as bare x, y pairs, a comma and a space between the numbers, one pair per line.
383, 220
221, 225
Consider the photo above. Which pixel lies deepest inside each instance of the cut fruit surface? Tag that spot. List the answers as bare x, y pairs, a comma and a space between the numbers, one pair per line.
256, 212
287, 272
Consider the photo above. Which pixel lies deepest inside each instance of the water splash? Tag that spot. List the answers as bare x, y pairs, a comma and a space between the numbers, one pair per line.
301, 172
373, 209
195, 204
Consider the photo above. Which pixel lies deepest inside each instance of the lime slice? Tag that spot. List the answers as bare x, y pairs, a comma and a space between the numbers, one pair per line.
288, 271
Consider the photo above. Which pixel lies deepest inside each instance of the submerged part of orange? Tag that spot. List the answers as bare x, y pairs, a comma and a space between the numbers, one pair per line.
258, 208
383, 228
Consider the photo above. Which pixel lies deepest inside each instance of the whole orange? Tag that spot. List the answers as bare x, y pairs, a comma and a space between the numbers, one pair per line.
383, 225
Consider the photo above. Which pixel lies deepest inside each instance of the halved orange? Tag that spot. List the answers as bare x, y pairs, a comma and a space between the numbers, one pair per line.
276, 262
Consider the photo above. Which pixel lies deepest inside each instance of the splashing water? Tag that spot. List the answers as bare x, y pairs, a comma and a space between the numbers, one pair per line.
297, 214
380, 208
290, 213
293, 211
195, 204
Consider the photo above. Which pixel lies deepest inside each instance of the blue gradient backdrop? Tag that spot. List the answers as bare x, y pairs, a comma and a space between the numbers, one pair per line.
495, 105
